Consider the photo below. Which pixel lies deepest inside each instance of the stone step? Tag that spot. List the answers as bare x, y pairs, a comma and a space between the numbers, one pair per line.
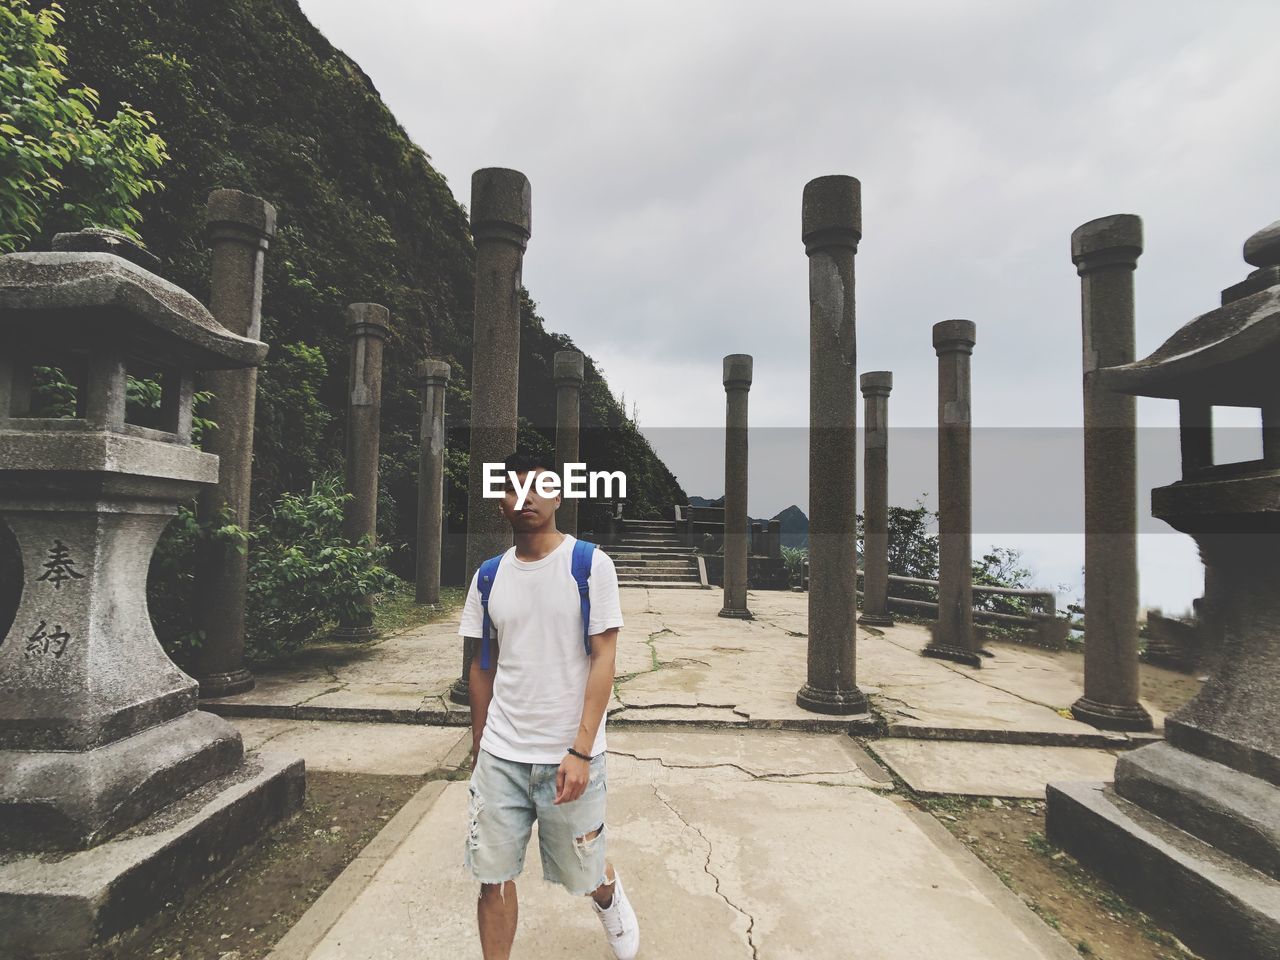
660, 585
650, 524
661, 548
664, 577
654, 565
655, 537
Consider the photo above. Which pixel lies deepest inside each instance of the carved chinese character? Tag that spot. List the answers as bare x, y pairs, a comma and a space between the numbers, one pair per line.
43, 642
59, 567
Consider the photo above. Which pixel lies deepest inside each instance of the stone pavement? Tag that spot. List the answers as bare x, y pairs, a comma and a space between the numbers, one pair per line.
732, 843
680, 663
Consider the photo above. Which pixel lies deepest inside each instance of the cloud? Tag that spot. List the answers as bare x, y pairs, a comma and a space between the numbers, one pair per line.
668, 144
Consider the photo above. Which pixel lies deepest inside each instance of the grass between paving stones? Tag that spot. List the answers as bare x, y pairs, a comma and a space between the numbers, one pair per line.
398, 611
241, 914
1008, 836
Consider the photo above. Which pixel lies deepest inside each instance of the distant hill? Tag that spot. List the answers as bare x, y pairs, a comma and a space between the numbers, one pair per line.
249, 94
704, 502
795, 526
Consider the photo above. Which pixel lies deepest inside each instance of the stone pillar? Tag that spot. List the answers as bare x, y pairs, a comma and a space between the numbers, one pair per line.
240, 227
501, 218
568, 368
775, 538
737, 384
366, 332
876, 386
433, 377
953, 635
1188, 830
1106, 253
831, 228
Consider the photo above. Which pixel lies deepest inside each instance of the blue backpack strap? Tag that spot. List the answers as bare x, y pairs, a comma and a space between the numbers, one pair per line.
488, 573
582, 554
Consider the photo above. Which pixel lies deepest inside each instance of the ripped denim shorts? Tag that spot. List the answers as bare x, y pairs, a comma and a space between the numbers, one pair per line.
507, 797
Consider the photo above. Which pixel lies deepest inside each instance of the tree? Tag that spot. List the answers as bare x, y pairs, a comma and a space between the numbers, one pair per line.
61, 166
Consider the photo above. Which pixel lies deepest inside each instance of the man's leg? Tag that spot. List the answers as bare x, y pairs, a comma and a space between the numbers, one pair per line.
603, 894
496, 912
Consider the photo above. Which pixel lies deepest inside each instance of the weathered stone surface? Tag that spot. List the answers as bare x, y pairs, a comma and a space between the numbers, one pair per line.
1218, 776
59, 908
433, 379
1105, 253
876, 386
796, 757
239, 227
568, 369
66, 296
717, 864
501, 220
1235, 812
737, 386
1219, 907
989, 769
100, 745
1263, 248
953, 634
831, 227
386, 749
106, 240
70, 799
367, 328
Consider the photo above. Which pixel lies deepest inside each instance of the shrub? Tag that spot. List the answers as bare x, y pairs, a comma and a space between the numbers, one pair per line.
303, 574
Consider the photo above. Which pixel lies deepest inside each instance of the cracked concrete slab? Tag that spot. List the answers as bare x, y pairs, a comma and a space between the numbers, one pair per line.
381, 748
706, 716
717, 865
990, 769
678, 662
796, 757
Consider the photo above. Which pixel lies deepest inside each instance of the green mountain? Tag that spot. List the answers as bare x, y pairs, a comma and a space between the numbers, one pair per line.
248, 94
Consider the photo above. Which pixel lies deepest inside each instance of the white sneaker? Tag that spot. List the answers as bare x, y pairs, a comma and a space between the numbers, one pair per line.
619, 922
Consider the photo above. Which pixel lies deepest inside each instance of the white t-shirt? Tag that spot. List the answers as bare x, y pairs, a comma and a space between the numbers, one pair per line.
542, 664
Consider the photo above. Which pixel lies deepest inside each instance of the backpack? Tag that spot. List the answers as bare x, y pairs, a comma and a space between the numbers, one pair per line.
583, 551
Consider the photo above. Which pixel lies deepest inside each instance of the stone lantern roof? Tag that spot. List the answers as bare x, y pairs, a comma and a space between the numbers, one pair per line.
67, 297
1227, 356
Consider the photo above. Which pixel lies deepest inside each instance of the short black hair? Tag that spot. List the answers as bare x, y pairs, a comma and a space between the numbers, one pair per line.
522, 461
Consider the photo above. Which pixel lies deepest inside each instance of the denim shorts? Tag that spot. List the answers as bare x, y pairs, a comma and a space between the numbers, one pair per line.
507, 797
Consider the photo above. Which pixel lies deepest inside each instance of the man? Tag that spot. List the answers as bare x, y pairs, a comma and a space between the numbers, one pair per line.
537, 721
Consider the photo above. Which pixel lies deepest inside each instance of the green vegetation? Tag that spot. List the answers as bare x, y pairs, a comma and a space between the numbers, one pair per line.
248, 94
61, 165
303, 575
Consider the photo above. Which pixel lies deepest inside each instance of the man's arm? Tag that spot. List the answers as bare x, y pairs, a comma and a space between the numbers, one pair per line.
481, 689
571, 778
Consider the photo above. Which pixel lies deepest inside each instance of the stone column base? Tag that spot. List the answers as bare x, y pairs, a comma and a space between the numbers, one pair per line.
940, 651
226, 684
74, 799
349, 634
837, 702
68, 905
736, 613
1112, 716
876, 620
460, 692
1218, 906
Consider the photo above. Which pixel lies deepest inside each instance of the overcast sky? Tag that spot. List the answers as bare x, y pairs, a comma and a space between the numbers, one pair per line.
668, 145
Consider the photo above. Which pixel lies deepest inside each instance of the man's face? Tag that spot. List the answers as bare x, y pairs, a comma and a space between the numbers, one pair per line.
538, 511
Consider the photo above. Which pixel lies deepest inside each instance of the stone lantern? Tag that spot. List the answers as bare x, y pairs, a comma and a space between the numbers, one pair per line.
1191, 826
99, 731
